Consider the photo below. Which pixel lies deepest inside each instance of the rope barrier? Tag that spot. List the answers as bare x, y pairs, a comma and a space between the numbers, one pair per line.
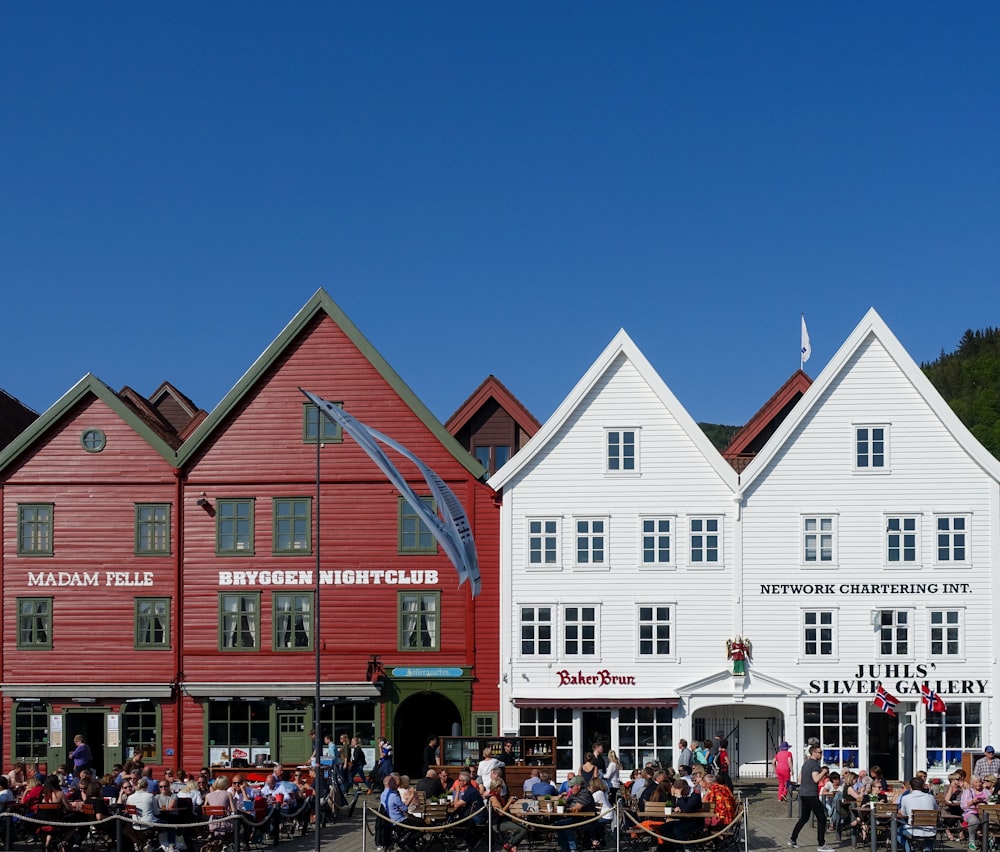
77, 823
702, 838
445, 826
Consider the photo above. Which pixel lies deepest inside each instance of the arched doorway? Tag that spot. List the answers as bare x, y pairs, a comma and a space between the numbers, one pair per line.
754, 733
416, 718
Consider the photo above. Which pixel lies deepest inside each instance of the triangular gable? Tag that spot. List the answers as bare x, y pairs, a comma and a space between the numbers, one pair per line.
621, 344
748, 441
15, 417
721, 683
88, 385
873, 326
321, 303
493, 388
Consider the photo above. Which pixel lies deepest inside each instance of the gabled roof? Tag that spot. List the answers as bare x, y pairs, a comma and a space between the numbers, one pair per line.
15, 416
89, 385
321, 303
747, 442
620, 345
493, 388
872, 326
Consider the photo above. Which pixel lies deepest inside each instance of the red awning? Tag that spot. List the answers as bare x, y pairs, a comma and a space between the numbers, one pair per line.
596, 704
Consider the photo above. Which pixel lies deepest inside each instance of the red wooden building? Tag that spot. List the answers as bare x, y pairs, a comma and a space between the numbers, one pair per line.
162, 567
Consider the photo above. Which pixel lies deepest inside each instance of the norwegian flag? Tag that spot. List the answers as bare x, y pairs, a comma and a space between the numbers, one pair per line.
885, 700
931, 699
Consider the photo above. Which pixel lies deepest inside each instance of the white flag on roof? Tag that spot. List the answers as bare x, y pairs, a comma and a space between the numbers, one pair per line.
806, 345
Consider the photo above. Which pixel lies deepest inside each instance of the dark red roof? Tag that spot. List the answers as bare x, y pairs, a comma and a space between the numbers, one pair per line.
747, 442
493, 388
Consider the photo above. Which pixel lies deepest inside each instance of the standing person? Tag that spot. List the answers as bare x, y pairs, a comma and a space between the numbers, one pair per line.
612, 775
813, 775
784, 766
507, 757
600, 761
684, 754
430, 754
385, 758
358, 761
486, 766
81, 755
722, 764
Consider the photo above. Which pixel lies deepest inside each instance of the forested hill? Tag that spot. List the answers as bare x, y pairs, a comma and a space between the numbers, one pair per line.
969, 380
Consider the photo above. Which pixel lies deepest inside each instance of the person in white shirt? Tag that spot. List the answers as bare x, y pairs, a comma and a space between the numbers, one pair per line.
486, 766
918, 799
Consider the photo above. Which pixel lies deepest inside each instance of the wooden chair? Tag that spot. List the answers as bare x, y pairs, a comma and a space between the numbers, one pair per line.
925, 820
141, 835
436, 812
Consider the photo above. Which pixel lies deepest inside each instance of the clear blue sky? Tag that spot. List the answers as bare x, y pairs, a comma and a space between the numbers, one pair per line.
493, 187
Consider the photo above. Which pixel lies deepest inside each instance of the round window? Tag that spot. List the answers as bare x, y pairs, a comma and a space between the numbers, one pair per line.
93, 440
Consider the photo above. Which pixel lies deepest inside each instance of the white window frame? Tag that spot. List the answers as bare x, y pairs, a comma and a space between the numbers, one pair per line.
619, 433
821, 627
944, 626
656, 535
543, 534
874, 462
537, 624
649, 630
952, 535
817, 533
579, 624
894, 626
895, 527
703, 533
592, 532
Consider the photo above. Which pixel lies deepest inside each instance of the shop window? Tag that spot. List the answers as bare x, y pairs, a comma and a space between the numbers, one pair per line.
152, 623
239, 622
293, 617
550, 722
292, 526
645, 734
958, 729
234, 527
241, 724
152, 529
141, 727
835, 725
418, 621
313, 422
353, 718
34, 529
34, 623
31, 731
414, 535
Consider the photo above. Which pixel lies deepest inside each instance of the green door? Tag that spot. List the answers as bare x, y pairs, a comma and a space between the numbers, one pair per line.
293, 738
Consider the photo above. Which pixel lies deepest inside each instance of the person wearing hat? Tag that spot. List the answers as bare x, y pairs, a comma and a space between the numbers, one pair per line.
580, 799
988, 764
784, 766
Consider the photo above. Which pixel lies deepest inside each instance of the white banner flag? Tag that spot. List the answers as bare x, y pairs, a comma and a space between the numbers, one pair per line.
806, 346
454, 533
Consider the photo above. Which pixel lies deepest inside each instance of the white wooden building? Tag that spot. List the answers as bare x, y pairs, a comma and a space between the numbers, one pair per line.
856, 548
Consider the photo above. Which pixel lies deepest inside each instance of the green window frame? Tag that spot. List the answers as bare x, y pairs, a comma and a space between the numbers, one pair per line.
311, 418
234, 526
152, 623
34, 623
354, 718
93, 440
292, 613
239, 724
141, 727
292, 526
239, 621
419, 621
152, 529
34, 529
31, 731
414, 535
485, 724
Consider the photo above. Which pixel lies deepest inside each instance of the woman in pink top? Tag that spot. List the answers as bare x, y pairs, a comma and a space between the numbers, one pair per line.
783, 770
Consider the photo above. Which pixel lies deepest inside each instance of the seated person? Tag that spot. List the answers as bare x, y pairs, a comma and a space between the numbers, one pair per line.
469, 802
719, 797
687, 803
580, 799
429, 785
512, 833
544, 785
918, 799
391, 806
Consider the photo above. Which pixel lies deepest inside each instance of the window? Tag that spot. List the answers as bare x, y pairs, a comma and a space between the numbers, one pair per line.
239, 622
484, 724
623, 456
835, 725
817, 540
819, 630
152, 622
871, 445
657, 541
93, 440
590, 542
414, 536
152, 529
312, 420
945, 632
580, 631
654, 631
141, 725
34, 623
901, 540
958, 729
293, 617
893, 627
705, 545
31, 731
34, 529
239, 724
951, 538
234, 527
543, 541
492, 457
354, 718
550, 722
536, 631
418, 621
645, 734
292, 532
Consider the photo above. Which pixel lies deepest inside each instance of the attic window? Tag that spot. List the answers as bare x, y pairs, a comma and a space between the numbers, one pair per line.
93, 440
